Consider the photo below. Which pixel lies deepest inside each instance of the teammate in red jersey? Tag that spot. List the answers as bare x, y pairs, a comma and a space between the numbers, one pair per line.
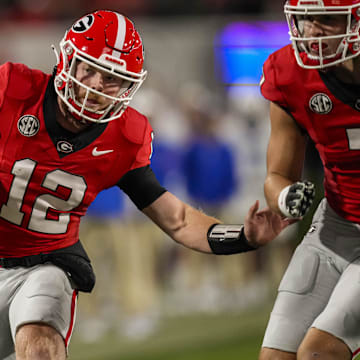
64, 138
314, 90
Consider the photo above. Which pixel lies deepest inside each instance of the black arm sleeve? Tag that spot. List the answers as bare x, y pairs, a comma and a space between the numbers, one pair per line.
141, 186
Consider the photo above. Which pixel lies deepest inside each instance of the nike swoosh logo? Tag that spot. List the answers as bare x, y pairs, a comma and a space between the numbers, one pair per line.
97, 152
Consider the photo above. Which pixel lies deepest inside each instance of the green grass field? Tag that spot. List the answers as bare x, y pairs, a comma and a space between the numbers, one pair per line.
203, 337
211, 337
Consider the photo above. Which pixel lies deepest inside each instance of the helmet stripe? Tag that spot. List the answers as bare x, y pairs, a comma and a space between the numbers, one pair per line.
120, 36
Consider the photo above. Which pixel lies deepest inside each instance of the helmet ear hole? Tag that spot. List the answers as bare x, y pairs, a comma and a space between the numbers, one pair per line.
109, 43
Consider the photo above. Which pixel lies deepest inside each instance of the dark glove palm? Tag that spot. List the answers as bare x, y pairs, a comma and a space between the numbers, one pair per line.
299, 198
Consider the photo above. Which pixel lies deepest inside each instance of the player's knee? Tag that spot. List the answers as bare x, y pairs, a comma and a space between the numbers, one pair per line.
40, 342
319, 345
319, 353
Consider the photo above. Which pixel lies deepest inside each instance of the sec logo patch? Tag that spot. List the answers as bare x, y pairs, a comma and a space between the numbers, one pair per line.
321, 104
28, 125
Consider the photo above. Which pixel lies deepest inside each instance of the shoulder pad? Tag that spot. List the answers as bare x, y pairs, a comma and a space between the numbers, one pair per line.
280, 71
23, 82
136, 127
286, 65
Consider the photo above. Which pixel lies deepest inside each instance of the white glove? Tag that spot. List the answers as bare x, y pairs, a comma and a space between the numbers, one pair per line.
295, 200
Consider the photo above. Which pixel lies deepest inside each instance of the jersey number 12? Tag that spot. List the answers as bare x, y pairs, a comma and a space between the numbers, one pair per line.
11, 211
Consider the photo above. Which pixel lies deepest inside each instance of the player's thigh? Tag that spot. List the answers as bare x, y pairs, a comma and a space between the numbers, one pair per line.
39, 340
273, 354
302, 295
8, 286
46, 297
341, 316
322, 345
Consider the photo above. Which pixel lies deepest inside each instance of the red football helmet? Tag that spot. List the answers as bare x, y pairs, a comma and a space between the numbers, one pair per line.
109, 42
349, 42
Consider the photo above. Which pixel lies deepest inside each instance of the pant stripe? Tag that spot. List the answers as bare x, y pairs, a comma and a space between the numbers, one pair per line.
72, 319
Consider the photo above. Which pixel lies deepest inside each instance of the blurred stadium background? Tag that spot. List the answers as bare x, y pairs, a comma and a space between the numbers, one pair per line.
153, 299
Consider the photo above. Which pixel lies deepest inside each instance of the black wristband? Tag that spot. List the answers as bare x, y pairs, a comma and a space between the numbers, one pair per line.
228, 239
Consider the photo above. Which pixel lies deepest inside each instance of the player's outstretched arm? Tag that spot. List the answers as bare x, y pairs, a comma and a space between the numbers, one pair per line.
196, 230
285, 192
262, 226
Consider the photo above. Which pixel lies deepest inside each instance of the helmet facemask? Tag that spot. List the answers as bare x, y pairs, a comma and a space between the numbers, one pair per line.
67, 85
348, 42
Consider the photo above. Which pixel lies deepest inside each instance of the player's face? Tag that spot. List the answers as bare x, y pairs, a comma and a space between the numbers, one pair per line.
97, 80
314, 26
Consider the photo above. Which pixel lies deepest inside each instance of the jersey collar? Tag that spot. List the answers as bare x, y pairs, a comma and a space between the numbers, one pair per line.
347, 93
66, 142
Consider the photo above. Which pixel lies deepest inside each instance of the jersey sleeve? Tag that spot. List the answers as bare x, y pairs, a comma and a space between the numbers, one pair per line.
269, 86
143, 156
4, 81
138, 131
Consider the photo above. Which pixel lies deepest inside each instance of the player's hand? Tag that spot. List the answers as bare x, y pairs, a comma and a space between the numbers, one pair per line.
262, 226
295, 200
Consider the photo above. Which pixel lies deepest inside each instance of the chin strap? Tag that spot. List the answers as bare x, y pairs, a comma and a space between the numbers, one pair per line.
56, 53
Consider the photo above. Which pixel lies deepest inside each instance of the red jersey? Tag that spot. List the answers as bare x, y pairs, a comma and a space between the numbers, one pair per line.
330, 113
49, 176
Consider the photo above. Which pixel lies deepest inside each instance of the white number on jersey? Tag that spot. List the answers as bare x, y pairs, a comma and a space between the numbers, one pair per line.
353, 138
22, 171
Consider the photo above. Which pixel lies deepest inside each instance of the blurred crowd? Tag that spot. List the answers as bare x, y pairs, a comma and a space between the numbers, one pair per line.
47, 10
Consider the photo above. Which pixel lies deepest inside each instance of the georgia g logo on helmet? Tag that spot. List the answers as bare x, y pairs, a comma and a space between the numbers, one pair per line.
83, 24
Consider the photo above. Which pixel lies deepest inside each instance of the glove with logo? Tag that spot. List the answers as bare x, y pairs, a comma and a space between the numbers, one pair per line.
295, 200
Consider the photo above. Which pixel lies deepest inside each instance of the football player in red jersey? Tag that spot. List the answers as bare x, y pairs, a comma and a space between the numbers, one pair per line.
64, 138
314, 90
